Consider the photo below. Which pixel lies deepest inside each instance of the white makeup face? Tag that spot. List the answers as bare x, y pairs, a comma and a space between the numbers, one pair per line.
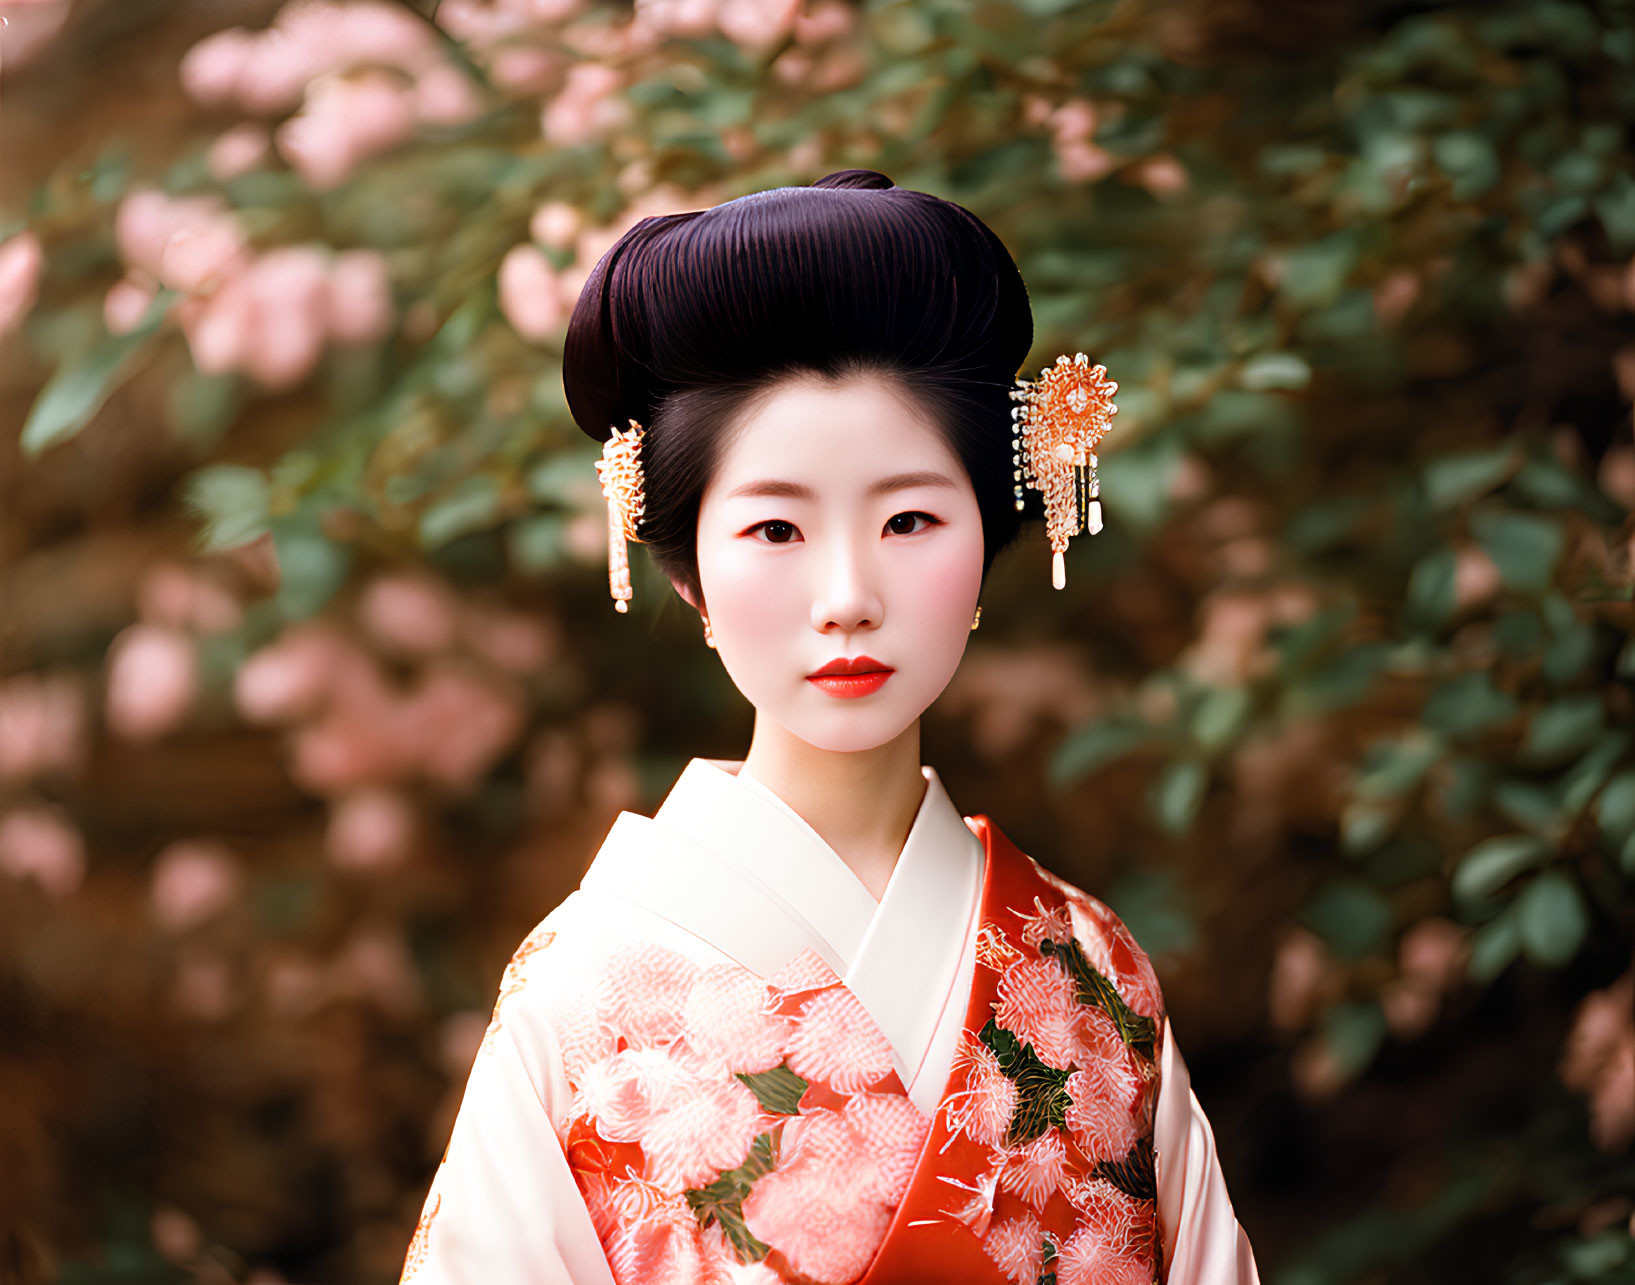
839, 525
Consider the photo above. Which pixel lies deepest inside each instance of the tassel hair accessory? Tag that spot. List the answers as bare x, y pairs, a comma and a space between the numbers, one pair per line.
620, 470
1061, 419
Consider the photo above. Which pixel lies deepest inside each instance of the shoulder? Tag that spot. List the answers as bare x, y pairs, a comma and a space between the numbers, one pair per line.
1109, 946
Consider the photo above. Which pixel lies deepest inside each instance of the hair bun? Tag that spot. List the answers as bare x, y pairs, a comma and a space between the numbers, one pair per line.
855, 178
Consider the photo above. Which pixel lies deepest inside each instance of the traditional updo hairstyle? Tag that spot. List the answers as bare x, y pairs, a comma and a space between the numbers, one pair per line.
690, 318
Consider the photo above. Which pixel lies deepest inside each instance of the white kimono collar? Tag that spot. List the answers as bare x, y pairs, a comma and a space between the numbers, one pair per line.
728, 859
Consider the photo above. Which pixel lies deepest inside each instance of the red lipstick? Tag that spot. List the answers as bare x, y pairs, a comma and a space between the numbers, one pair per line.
848, 678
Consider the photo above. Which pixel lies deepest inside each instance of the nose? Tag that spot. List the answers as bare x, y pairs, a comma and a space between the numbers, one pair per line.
846, 597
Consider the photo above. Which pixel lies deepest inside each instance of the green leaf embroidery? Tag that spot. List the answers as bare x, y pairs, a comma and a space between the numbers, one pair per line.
1135, 1175
778, 1090
1041, 1093
1137, 1031
722, 1201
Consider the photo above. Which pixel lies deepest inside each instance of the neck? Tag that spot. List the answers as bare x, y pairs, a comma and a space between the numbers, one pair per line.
862, 803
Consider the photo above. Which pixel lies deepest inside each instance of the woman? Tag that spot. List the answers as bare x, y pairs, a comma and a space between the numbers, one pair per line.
808, 1023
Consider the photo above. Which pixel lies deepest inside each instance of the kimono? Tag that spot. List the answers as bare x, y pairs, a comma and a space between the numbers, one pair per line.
720, 1061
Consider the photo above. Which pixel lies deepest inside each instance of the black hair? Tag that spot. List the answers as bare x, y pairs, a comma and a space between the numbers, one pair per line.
690, 318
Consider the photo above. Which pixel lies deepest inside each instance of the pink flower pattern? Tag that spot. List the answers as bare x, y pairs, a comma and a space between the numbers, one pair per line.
729, 1129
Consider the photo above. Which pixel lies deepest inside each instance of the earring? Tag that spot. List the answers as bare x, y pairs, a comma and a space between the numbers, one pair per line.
977, 621
709, 638
620, 470
1055, 431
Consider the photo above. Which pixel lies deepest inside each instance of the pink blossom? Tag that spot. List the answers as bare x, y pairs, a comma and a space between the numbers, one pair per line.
1035, 1172
1039, 1005
286, 680
220, 329
210, 70
446, 96
1114, 953
275, 78
371, 829
338, 34
360, 297
1082, 162
819, 1206
203, 252
125, 304
152, 681
193, 881
691, 1126
42, 725
175, 597
176, 1236
1114, 1241
204, 986
21, 261
585, 107
555, 225
409, 614
836, 1041
521, 69
662, 1247
532, 296
891, 1133
728, 1020
290, 290
510, 640
983, 1108
1017, 1247
343, 122
456, 726
31, 26
642, 992
1054, 925
756, 25
479, 23
39, 843
1108, 1093
375, 966
238, 151
678, 17
1162, 175
824, 21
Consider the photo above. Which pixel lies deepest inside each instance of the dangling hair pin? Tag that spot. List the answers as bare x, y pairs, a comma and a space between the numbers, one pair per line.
1062, 418
620, 469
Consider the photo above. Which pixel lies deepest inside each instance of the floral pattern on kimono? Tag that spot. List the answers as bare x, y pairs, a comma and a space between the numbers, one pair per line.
726, 1128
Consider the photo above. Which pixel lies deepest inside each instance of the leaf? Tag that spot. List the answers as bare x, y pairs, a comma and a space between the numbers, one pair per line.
1431, 594
1176, 795
778, 1090
76, 392
1467, 705
1493, 946
1042, 1099
1523, 547
1495, 862
1453, 479
1351, 916
1615, 809
1352, 1033
722, 1201
1274, 370
1091, 987
1552, 919
1219, 715
231, 500
1562, 728
1091, 747
1136, 1175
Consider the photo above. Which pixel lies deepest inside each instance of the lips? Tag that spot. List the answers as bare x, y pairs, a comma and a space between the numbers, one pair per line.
854, 665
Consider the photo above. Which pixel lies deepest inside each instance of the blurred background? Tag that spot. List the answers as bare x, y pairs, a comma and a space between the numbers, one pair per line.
313, 701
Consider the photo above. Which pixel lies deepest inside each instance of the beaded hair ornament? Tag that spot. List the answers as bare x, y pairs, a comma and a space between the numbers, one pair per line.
1057, 425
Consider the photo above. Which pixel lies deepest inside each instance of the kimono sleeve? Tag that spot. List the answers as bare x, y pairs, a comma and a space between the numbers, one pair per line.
1203, 1242
504, 1206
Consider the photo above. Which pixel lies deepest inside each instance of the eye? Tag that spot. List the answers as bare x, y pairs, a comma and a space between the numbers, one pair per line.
777, 531
929, 523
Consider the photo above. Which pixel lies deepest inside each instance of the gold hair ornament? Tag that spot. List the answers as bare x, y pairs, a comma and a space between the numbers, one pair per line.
1062, 418
620, 469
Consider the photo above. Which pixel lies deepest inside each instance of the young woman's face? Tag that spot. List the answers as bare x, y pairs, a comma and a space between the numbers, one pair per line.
839, 525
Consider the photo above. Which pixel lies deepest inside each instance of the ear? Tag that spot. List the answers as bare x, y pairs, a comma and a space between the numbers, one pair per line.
685, 592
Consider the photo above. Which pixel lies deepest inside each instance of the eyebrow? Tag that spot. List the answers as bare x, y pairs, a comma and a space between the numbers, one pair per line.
886, 485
